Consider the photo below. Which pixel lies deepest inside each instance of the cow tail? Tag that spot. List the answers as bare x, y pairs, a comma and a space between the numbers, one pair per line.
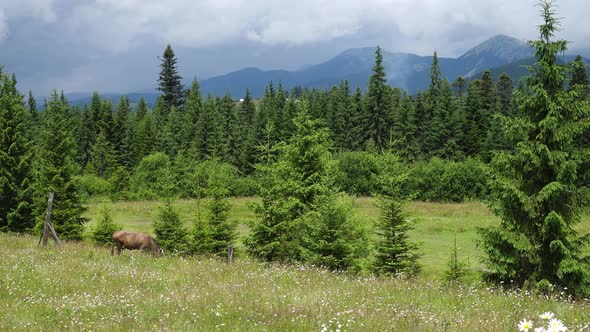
113, 249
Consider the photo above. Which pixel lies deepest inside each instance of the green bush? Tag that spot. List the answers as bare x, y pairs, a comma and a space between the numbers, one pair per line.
449, 181
153, 178
356, 172
91, 186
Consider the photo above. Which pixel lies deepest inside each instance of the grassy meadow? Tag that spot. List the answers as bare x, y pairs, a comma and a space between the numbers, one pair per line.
81, 287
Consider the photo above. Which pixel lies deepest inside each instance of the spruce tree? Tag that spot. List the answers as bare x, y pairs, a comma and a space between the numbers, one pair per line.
356, 136
504, 88
142, 109
580, 77
95, 114
580, 83
192, 113
227, 126
170, 82
222, 231
377, 104
102, 157
120, 123
85, 136
474, 115
16, 194
460, 88
145, 137
536, 191
395, 254
56, 170
290, 186
170, 232
102, 231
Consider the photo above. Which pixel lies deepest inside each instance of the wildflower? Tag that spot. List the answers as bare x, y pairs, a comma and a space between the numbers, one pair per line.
556, 325
540, 329
548, 315
525, 325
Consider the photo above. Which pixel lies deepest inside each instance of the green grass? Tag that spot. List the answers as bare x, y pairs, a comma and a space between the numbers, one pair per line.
81, 287
436, 224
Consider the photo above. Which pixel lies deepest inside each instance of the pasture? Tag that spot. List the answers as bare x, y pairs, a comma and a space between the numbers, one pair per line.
81, 287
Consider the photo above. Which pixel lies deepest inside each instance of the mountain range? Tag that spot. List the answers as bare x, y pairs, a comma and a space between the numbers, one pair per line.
407, 71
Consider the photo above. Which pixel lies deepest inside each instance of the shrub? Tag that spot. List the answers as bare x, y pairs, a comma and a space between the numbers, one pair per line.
449, 181
91, 186
153, 178
356, 170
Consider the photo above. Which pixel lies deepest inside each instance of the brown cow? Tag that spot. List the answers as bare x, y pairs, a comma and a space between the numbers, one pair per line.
133, 241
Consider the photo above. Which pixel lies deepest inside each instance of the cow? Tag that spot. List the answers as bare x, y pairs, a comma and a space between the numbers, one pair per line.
133, 241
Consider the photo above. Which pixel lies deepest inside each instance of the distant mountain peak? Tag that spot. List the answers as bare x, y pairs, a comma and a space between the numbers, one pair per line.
502, 47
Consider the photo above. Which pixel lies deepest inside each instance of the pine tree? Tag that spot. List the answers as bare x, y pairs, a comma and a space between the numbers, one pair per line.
192, 113
95, 111
222, 231
535, 191
581, 83
56, 170
142, 109
357, 123
85, 136
504, 88
106, 121
335, 240
16, 194
102, 157
246, 112
128, 156
438, 116
228, 129
580, 77
32, 105
169, 81
489, 124
290, 187
170, 232
395, 254
474, 138
145, 136
460, 88
377, 104
120, 123
456, 269
102, 231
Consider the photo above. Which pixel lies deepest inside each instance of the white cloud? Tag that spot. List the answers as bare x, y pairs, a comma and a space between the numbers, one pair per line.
117, 25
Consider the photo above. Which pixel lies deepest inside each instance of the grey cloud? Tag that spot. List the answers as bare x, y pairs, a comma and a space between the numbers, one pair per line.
85, 45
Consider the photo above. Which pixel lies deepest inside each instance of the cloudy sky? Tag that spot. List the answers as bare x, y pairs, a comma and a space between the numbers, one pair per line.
113, 45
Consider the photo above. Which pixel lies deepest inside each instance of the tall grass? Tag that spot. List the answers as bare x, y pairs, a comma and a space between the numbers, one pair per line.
81, 287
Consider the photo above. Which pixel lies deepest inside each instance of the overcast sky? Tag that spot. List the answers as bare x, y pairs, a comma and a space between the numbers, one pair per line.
113, 45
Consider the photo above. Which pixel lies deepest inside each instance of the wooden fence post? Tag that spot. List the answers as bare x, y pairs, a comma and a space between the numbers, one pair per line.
230, 254
48, 227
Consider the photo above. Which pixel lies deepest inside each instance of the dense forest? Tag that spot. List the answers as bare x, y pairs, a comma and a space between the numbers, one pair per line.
301, 150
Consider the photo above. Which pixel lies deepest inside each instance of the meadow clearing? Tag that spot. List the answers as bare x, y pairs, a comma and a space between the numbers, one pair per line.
81, 287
